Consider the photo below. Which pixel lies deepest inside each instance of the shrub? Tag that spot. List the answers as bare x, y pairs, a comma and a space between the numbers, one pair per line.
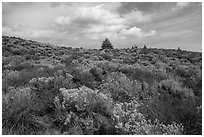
86, 78
32, 52
170, 129
97, 73
13, 78
21, 78
172, 103
47, 88
120, 87
83, 76
17, 113
5, 60
131, 121
15, 60
86, 99
106, 56
6, 48
174, 88
16, 52
20, 66
20, 51
107, 66
85, 109
42, 88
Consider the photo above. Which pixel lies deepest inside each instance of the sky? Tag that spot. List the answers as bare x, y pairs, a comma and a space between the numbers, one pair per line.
125, 24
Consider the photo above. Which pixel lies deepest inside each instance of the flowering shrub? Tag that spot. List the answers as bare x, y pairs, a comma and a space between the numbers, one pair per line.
84, 108
131, 121
86, 99
169, 129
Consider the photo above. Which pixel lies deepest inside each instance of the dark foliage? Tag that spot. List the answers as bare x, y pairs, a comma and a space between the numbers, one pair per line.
106, 44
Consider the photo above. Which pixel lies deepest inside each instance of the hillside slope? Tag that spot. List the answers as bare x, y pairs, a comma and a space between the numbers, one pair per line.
49, 89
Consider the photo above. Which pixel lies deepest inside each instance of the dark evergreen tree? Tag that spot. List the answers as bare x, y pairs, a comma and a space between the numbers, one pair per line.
106, 44
145, 47
179, 49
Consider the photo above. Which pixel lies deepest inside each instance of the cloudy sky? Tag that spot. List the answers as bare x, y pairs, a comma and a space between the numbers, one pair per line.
160, 25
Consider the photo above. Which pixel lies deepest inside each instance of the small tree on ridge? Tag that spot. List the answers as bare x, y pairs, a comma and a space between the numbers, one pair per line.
106, 44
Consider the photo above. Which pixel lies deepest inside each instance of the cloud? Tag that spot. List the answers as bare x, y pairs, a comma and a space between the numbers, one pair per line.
93, 36
55, 4
42, 33
99, 15
182, 4
27, 33
96, 22
146, 7
135, 17
137, 32
110, 35
91, 15
96, 32
74, 21
115, 32
63, 20
10, 32
19, 26
103, 28
88, 23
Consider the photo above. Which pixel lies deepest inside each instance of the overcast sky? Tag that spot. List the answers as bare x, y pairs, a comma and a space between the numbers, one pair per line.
160, 25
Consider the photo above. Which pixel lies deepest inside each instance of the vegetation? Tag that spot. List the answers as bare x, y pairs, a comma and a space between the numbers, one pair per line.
51, 90
106, 44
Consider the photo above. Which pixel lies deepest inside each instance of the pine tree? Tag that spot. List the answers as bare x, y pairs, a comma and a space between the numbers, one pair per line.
179, 49
106, 44
145, 47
